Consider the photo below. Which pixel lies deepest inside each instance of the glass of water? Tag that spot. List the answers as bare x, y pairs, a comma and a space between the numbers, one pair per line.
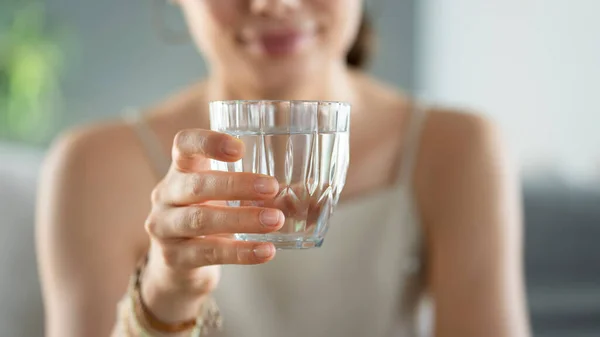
305, 146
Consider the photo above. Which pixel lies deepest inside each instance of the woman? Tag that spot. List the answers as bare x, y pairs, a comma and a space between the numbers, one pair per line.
430, 208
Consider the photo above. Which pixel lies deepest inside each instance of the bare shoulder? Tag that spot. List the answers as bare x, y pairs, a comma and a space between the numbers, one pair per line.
462, 159
94, 142
101, 156
453, 129
455, 139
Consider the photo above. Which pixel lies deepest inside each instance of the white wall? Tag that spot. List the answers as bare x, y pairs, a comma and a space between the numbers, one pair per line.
532, 65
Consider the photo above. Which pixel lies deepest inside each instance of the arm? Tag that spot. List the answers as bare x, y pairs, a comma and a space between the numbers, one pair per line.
95, 219
470, 205
86, 238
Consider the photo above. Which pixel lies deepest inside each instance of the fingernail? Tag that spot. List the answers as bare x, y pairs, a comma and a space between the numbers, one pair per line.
263, 251
269, 217
266, 185
231, 147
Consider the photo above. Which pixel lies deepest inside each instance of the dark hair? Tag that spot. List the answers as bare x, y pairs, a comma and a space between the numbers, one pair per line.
363, 47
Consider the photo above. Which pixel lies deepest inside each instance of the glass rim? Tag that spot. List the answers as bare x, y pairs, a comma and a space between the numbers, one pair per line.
271, 101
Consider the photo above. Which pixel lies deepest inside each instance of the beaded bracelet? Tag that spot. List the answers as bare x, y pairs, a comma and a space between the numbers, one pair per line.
209, 316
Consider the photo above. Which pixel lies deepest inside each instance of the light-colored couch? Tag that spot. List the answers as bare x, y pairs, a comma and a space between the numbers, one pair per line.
21, 311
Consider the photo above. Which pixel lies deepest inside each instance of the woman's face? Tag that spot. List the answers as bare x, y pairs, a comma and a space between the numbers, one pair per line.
270, 40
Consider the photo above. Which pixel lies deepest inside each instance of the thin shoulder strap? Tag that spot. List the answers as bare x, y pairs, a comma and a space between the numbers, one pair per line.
152, 148
412, 141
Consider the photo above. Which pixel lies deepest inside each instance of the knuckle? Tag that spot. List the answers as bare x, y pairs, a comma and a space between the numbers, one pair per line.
219, 217
151, 224
236, 218
197, 219
179, 134
155, 196
181, 138
208, 221
239, 255
199, 183
189, 142
210, 255
230, 183
201, 142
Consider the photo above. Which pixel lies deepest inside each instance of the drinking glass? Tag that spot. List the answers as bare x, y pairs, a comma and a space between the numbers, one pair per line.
305, 146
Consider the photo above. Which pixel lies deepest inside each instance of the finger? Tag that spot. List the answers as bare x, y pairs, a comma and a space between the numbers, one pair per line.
215, 250
200, 220
189, 188
192, 147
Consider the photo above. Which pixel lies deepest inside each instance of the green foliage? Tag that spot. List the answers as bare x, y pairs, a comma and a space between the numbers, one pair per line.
31, 64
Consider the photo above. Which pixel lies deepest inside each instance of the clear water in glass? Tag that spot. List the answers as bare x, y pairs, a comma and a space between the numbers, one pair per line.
305, 146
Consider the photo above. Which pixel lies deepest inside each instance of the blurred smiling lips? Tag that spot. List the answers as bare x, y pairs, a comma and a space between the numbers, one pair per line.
280, 41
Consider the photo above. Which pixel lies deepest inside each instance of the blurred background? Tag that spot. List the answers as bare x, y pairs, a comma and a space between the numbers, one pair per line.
531, 65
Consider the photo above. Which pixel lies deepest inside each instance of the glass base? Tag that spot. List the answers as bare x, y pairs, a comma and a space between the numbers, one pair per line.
283, 241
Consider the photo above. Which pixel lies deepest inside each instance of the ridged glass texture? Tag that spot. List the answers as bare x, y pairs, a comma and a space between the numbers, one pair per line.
305, 146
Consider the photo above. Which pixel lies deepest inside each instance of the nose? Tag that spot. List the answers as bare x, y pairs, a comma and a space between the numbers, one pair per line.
273, 8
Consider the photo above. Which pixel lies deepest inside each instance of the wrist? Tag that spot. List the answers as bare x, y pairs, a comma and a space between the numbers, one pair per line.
171, 299
162, 309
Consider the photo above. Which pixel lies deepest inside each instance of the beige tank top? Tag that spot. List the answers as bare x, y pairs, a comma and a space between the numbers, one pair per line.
366, 279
